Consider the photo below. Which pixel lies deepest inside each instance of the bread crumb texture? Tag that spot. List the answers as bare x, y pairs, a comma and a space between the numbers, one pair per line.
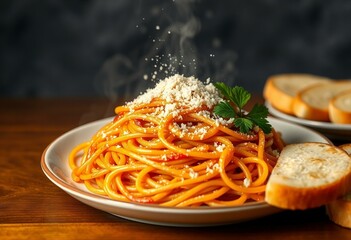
311, 165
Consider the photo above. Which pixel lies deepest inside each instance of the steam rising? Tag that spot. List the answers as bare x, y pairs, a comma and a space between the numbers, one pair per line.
170, 48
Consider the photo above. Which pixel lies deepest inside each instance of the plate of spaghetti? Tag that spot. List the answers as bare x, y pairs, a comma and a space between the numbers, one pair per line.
166, 158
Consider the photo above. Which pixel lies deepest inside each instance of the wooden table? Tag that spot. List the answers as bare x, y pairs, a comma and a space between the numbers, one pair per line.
31, 207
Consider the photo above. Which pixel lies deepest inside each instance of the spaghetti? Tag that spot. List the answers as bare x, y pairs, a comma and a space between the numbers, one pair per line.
168, 148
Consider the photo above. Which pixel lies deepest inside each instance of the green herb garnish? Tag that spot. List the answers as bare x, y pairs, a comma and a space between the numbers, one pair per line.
234, 108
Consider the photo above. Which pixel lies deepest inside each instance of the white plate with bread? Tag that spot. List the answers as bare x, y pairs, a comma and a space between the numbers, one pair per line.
313, 101
331, 130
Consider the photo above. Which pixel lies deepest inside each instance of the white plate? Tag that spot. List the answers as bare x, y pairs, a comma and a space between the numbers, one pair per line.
54, 163
331, 130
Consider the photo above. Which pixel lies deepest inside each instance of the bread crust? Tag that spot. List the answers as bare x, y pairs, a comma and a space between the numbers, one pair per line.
319, 112
339, 211
282, 193
305, 110
336, 114
346, 147
280, 98
292, 198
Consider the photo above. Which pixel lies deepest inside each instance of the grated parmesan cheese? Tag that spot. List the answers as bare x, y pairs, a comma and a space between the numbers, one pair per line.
213, 168
219, 147
192, 173
247, 182
190, 129
179, 91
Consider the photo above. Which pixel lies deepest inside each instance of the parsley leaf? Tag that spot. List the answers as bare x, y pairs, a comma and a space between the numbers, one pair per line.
243, 124
224, 89
239, 97
258, 115
224, 109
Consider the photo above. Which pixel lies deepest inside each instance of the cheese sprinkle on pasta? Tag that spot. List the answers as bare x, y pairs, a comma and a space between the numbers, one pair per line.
179, 91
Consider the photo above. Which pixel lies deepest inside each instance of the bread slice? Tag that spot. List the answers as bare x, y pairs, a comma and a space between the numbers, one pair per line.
339, 211
281, 89
309, 175
340, 108
346, 147
312, 103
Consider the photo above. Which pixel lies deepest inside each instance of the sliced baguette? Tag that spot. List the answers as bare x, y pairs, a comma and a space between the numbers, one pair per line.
312, 103
339, 211
340, 108
309, 175
281, 89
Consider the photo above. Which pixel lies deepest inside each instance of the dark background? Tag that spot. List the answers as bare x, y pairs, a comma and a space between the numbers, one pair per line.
59, 48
